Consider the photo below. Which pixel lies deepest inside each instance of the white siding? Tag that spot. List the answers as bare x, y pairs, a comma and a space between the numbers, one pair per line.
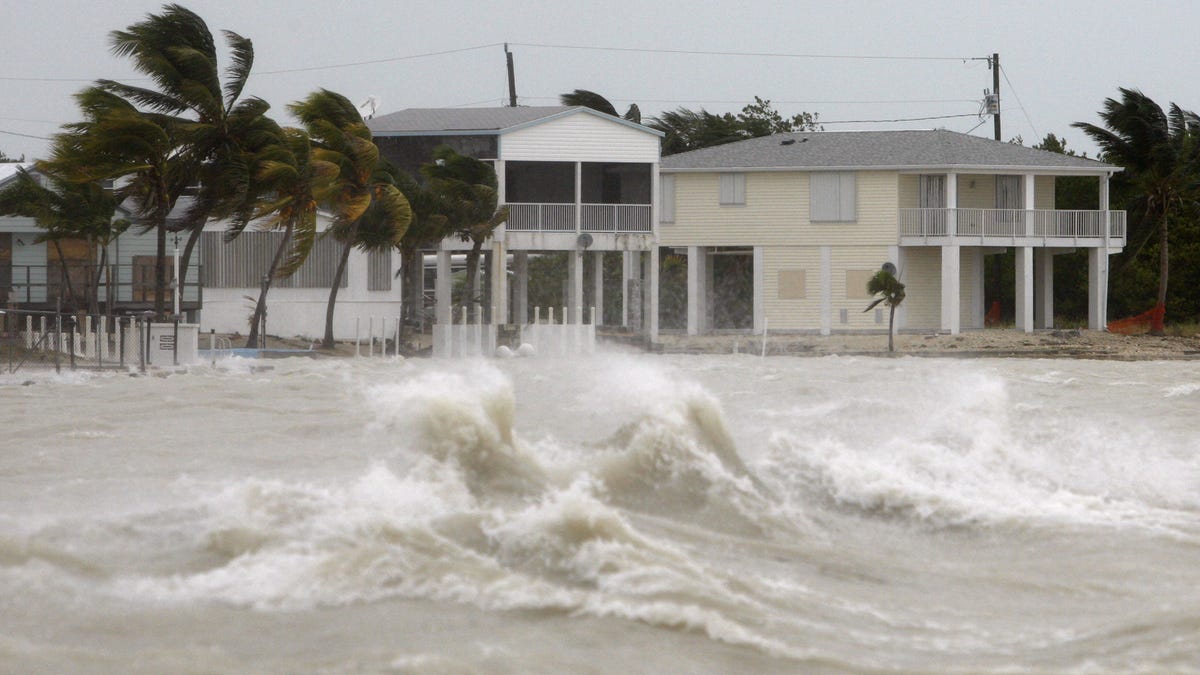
833, 197
580, 137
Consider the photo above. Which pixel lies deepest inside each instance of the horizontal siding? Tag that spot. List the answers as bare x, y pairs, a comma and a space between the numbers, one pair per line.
864, 258
792, 314
909, 187
968, 269
776, 212
17, 224
921, 273
1043, 192
580, 138
976, 192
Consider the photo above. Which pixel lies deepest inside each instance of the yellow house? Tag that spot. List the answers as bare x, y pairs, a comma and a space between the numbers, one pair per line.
784, 231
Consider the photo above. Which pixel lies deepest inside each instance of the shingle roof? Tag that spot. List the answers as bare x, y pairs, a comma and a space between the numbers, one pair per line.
460, 119
890, 149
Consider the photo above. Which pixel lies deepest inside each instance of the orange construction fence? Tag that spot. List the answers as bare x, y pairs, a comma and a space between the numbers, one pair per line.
1147, 322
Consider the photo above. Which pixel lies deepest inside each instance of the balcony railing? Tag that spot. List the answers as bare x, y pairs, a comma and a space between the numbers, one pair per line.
615, 218
1010, 223
76, 284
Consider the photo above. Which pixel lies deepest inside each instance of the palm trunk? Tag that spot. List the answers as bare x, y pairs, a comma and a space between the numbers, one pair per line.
187, 258
64, 274
260, 307
891, 323
472, 272
94, 300
1157, 327
328, 343
160, 270
411, 300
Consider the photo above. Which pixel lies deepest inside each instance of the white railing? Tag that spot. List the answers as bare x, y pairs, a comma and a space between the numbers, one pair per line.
541, 217
594, 218
466, 338
616, 218
1010, 223
569, 338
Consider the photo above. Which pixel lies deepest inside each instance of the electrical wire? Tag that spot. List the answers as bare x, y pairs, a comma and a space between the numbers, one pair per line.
760, 54
14, 133
1020, 105
733, 101
899, 119
374, 61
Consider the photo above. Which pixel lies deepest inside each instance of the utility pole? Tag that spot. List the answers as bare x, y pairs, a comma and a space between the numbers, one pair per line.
995, 91
512, 80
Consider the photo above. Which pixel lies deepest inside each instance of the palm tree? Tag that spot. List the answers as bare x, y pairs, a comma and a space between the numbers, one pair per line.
1159, 151
590, 99
342, 139
470, 194
67, 210
176, 51
292, 184
889, 290
429, 226
116, 141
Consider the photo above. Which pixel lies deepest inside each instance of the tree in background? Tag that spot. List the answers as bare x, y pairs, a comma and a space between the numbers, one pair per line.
469, 194
342, 138
887, 289
1160, 151
590, 99
211, 124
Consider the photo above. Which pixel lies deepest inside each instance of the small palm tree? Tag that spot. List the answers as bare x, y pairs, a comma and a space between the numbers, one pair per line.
889, 290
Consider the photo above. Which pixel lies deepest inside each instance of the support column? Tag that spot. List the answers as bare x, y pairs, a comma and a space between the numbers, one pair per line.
1024, 291
696, 281
650, 276
499, 282
759, 276
896, 255
951, 206
441, 288
1097, 288
826, 290
578, 196
1043, 288
598, 285
520, 288
951, 281
574, 286
1106, 223
1030, 197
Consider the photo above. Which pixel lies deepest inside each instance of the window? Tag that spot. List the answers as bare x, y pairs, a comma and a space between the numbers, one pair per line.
832, 197
933, 192
666, 204
379, 270
733, 189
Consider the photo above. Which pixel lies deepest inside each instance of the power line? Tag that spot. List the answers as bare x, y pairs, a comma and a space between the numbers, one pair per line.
760, 54
898, 119
736, 101
374, 61
13, 133
1021, 105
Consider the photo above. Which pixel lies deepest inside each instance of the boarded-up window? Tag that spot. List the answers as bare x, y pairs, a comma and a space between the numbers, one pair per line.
666, 204
856, 284
379, 270
933, 192
792, 284
733, 188
242, 262
832, 197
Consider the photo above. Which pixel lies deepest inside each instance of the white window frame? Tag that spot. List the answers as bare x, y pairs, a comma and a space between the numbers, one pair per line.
731, 189
833, 197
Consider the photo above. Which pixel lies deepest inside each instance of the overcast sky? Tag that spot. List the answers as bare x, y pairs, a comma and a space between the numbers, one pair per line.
1061, 59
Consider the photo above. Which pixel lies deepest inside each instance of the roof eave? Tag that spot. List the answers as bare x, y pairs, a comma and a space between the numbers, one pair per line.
957, 168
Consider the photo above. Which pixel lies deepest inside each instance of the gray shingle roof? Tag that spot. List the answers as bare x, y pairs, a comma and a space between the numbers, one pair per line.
865, 149
460, 119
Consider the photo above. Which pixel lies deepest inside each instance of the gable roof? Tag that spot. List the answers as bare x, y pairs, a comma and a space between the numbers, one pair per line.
9, 169
931, 149
479, 121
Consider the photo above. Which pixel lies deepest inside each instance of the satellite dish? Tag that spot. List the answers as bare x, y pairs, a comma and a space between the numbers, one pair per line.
889, 268
368, 107
584, 240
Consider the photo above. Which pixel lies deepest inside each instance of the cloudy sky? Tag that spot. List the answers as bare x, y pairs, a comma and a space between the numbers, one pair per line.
1060, 59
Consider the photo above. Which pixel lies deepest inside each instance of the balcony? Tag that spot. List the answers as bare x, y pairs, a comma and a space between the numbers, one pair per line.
998, 227
613, 218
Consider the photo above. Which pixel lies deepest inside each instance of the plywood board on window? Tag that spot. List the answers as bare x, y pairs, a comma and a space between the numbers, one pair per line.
792, 284
856, 284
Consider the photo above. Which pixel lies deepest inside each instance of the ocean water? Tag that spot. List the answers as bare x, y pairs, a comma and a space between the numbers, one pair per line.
625, 514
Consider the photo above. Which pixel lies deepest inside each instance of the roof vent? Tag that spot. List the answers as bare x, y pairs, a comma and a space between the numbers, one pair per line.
787, 141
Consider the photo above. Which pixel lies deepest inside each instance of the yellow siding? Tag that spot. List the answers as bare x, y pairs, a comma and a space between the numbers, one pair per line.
867, 259
1043, 192
909, 191
922, 276
776, 212
976, 192
968, 269
795, 314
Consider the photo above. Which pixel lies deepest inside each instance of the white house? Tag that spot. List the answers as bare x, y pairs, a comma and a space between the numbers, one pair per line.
801, 221
573, 179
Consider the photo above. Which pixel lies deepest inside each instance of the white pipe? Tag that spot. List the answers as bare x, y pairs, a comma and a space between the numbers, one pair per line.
764, 341
357, 321
370, 336
175, 283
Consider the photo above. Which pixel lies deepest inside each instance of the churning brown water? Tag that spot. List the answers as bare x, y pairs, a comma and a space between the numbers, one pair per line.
608, 514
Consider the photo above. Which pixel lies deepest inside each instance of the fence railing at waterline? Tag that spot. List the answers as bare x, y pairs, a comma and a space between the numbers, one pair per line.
378, 330
465, 338
560, 339
30, 338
